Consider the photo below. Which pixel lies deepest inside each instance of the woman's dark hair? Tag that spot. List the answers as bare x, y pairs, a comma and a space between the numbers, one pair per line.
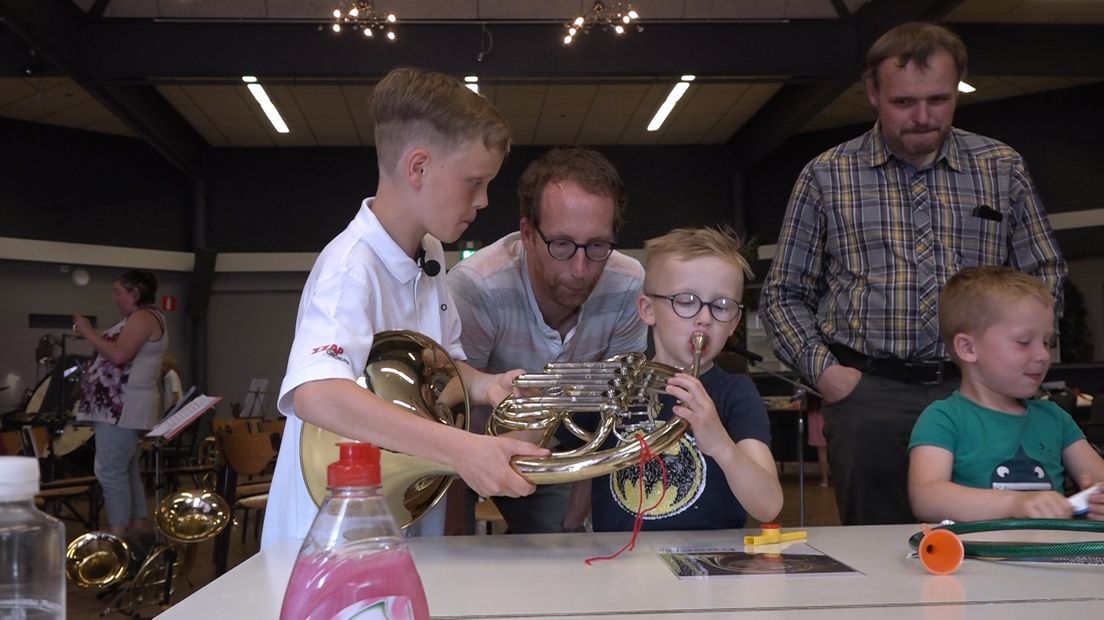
142, 281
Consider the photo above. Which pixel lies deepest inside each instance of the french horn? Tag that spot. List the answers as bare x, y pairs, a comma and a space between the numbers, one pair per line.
416, 373
99, 560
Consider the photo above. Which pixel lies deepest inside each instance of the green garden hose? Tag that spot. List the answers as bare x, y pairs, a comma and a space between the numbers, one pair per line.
1022, 550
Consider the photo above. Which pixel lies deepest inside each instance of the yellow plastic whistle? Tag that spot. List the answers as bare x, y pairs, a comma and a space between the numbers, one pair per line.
772, 534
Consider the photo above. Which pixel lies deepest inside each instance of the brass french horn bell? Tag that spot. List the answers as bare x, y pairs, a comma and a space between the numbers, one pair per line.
99, 559
416, 373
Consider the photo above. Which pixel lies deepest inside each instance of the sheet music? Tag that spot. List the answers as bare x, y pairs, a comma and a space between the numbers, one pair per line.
180, 404
173, 424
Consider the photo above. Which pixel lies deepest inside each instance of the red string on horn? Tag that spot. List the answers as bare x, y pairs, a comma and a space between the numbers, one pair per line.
646, 455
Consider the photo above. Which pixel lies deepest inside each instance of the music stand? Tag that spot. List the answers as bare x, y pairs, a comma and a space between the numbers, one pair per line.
171, 426
799, 394
254, 401
58, 401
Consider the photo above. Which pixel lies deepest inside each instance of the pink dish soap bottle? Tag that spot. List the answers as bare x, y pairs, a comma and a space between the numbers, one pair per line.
354, 562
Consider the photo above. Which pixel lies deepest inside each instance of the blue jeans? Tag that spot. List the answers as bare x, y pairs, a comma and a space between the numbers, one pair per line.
116, 468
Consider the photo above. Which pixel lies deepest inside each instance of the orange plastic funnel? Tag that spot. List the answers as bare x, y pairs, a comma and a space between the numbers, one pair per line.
941, 551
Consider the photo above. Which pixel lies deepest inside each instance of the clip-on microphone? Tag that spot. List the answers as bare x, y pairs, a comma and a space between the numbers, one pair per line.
429, 267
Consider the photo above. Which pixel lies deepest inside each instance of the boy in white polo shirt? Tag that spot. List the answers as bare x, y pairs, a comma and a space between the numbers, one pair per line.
438, 146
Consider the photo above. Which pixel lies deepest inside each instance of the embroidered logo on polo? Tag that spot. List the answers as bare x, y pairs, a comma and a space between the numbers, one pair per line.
331, 350
685, 482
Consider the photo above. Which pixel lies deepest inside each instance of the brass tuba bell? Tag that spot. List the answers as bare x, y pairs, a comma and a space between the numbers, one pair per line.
416, 373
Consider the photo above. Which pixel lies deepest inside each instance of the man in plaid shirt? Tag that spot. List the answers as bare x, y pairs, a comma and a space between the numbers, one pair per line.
874, 228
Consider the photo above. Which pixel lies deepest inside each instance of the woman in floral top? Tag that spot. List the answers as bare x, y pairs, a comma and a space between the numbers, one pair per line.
121, 394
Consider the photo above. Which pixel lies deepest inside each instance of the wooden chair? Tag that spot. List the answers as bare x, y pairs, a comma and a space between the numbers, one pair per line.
57, 496
247, 455
488, 518
271, 426
232, 425
11, 443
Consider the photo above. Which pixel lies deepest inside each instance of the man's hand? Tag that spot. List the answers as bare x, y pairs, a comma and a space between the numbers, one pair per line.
837, 382
501, 386
484, 463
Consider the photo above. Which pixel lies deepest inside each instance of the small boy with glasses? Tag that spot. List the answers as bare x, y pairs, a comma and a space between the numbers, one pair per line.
722, 470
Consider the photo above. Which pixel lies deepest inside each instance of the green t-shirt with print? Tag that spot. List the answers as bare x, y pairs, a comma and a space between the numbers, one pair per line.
998, 450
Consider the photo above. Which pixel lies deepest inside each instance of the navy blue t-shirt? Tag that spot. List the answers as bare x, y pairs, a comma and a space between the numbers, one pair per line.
698, 496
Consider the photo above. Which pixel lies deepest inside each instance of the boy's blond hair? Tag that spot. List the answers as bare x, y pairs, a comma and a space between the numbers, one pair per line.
974, 298
688, 243
413, 106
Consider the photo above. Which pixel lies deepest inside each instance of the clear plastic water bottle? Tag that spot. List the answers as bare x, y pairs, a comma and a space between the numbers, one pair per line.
354, 561
32, 547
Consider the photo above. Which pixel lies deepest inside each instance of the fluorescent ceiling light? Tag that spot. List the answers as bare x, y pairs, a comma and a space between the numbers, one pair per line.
266, 104
963, 87
677, 91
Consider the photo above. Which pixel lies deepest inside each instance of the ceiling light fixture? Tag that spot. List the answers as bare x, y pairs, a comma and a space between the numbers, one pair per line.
362, 17
266, 104
963, 87
618, 16
472, 83
677, 91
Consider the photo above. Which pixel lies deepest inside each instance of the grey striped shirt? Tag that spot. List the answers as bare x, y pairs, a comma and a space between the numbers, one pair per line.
502, 327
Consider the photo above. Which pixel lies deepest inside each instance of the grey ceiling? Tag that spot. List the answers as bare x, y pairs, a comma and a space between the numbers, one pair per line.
168, 71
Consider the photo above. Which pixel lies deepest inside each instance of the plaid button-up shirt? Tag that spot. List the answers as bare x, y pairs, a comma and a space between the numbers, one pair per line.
868, 242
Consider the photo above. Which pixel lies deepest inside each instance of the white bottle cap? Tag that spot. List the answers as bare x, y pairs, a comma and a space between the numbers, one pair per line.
18, 477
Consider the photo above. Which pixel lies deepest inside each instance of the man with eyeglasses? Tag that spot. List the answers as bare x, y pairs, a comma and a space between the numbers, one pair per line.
555, 291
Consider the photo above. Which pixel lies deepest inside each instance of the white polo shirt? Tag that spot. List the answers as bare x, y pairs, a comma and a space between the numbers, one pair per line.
361, 284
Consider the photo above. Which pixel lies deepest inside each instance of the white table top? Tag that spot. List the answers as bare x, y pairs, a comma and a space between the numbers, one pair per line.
544, 576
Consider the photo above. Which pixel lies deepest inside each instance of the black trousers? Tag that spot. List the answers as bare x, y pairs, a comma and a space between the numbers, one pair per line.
868, 434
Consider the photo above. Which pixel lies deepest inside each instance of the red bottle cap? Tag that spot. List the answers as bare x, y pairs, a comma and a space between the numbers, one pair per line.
357, 466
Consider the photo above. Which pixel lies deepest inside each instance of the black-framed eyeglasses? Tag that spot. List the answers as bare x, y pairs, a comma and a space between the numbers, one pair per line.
565, 249
688, 305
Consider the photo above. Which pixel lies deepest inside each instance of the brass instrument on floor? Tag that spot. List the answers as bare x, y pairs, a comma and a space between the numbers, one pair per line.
416, 373
100, 560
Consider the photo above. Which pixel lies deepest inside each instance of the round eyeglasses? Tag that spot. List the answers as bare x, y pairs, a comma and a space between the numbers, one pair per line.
688, 305
565, 249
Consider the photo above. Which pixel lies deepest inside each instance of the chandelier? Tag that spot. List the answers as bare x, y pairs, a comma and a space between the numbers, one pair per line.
617, 15
362, 17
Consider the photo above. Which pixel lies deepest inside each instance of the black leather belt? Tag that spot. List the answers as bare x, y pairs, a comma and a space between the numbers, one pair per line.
918, 372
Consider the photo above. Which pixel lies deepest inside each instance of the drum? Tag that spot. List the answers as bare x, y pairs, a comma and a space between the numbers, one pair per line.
44, 402
48, 398
72, 437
